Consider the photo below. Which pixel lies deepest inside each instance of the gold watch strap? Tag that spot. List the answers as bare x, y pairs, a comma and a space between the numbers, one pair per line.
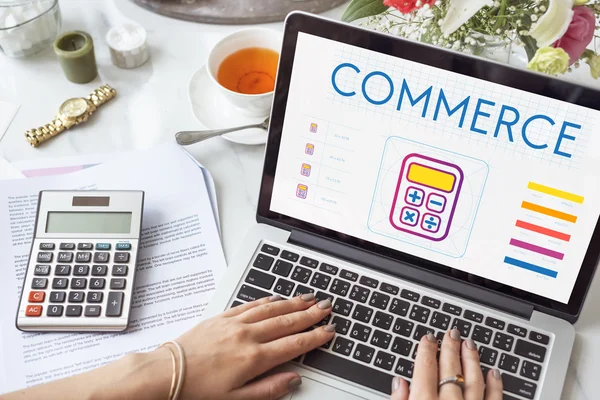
41, 134
101, 95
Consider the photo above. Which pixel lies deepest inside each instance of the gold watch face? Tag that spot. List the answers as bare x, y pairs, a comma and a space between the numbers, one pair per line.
73, 108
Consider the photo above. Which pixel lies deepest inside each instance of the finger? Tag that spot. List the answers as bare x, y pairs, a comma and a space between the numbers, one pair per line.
425, 377
288, 324
450, 364
232, 312
274, 309
474, 384
400, 389
269, 388
493, 389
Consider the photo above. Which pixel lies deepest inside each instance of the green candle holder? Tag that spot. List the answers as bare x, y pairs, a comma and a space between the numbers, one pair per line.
75, 51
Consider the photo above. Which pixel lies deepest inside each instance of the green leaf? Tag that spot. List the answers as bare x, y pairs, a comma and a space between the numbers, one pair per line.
358, 9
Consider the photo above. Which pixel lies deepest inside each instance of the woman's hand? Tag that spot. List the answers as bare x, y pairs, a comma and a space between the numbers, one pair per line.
456, 357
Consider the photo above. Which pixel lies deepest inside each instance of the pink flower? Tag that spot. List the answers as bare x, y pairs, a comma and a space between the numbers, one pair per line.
579, 34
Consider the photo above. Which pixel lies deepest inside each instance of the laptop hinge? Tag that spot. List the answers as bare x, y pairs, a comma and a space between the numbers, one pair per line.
414, 274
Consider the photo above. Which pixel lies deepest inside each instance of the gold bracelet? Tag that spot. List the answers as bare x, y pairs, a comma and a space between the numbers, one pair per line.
174, 396
174, 367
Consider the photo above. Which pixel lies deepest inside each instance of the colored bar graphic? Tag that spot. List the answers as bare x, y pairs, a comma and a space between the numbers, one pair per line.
549, 211
536, 249
431, 177
530, 267
543, 231
555, 192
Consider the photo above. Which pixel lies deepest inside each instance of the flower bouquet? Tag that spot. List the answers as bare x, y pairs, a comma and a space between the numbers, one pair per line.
556, 34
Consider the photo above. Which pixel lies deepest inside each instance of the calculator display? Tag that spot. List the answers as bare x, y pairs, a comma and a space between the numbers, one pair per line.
88, 222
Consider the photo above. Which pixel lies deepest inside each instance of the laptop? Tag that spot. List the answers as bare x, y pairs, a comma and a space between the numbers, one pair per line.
423, 190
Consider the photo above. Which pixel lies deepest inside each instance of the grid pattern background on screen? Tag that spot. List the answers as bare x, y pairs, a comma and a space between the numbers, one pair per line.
456, 88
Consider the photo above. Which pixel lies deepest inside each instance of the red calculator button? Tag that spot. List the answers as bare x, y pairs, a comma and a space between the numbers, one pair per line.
33, 311
37, 297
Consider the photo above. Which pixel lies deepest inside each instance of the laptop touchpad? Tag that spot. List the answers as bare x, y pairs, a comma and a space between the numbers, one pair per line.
311, 389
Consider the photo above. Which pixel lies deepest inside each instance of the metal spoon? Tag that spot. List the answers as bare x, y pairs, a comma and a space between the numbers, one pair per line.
186, 138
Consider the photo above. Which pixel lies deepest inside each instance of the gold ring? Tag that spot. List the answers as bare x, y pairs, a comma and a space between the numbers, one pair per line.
457, 380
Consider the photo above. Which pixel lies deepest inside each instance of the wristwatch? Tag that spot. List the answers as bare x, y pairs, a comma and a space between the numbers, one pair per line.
72, 112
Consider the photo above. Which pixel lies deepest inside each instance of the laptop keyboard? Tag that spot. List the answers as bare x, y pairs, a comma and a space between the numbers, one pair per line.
379, 324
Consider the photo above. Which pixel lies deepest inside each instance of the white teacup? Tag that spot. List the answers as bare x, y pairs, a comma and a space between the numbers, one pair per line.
247, 104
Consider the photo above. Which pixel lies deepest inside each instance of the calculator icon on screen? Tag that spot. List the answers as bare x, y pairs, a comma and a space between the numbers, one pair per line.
426, 196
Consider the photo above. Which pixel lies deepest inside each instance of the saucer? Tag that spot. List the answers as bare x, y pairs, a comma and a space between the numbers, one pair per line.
215, 112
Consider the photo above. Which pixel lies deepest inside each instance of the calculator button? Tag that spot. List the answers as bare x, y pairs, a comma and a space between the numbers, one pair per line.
41, 270
60, 283
409, 216
119, 270
46, 246
78, 283
54, 311
83, 257
99, 270
37, 297
414, 196
62, 270
97, 283
121, 257
117, 284
81, 270
102, 246
65, 256
67, 246
33, 311
114, 304
39, 283
436, 203
92, 311
123, 246
73, 311
101, 257
85, 246
431, 223
94, 297
44, 256
57, 297
76, 297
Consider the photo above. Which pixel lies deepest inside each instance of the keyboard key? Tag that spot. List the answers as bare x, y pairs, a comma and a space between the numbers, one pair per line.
282, 268
359, 293
362, 313
328, 268
62, 270
488, 356
350, 370
246, 293
263, 261
508, 363
99, 270
60, 283
121, 257
258, 278
41, 270
67, 246
360, 332
102, 246
114, 304
531, 370
494, 323
370, 282
57, 297
101, 257
503, 341
351, 276
284, 287
539, 337
78, 283
85, 246
379, 300
383, 320
301, 274
419, 313
363, 353
401, 346
123, 246
73, 311
54, 311
410, 295
119, 284
320, 281
405, 368
83, 257
414, 354
440, 321
421, 331
288, 255
64, 257
481, 334
343, 346
518, 386
343, 307
323, 296
76, 297
97, 283
324, 321
387, 288
530, 350
120, 270
430, 302
384, 360
399, 307
342, 325
33, 311
300, 290
452, 309
463, 327
403, 327
94, 297
39, 283
309, 262
473, 316
484, 372
236, 303
340, 287
37, 296
269, 249
381, 339
516, 330
46, 246
92, 311
81, 270
44, 257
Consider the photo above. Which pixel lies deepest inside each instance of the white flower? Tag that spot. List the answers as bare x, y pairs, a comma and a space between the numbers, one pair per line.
460, 11
553, 24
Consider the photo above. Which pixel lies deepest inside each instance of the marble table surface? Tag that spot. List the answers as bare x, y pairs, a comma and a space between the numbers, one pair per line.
153, 105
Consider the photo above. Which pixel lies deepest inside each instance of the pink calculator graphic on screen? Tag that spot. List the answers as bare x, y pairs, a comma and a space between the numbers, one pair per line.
426, 196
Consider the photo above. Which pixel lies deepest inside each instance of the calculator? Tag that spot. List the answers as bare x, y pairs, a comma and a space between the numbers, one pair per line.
81, 269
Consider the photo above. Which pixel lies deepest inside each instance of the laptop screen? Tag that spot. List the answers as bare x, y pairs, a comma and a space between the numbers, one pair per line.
481, 177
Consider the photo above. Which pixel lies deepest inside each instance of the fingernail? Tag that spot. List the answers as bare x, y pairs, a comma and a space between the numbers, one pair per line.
308, 296
324, 304
275, 298
430, 337
471, 344
396, 383
455, 334
330, 328
294, 383
496, 374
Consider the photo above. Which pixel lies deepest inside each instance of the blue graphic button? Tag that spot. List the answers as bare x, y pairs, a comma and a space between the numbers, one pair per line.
431, 223
414, 196
409, 216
